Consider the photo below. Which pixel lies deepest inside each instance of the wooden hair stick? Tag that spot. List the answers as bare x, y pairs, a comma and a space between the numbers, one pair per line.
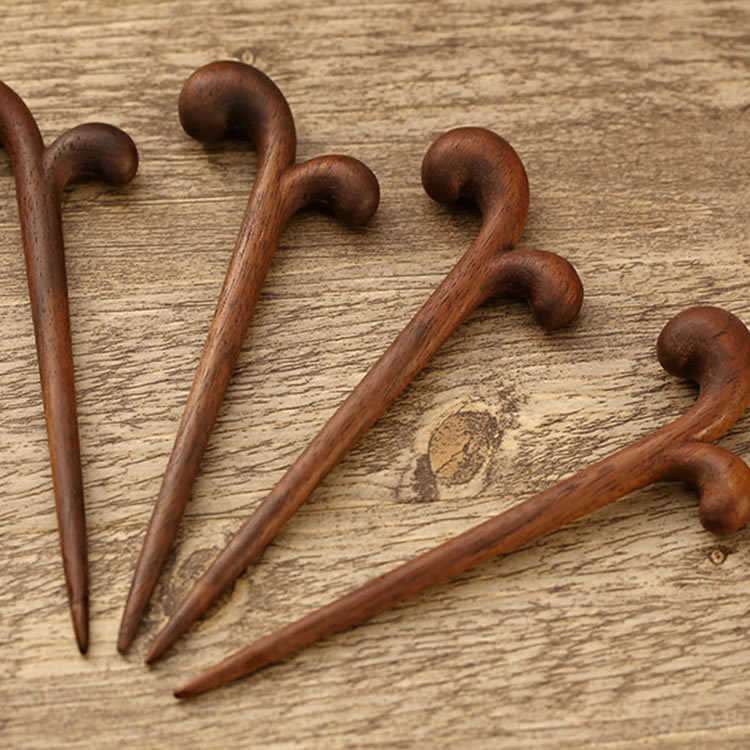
41, 176
706, 344
469, 163
220, 99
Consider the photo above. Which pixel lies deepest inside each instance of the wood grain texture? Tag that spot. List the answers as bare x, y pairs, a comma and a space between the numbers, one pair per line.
218, 99
470, 164
41, 176
626, 629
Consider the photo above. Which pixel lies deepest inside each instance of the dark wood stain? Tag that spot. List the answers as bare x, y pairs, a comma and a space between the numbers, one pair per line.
42, 174
628, 120
469, 164
218, 100
705, 344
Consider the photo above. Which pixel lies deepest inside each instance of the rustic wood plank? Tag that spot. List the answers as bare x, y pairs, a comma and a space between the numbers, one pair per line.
626, 629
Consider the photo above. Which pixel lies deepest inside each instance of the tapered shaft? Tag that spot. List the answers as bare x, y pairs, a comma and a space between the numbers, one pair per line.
387, 378
41, 175
220, 98
250, 261
48, 292
674, 451
49, 307
508, 531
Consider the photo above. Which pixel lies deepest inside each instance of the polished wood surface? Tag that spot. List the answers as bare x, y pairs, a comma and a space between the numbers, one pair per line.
465, 164
706, 344
626, 628
41, 176
220, 99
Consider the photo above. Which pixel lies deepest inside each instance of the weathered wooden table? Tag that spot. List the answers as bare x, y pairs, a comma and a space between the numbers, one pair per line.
628, 628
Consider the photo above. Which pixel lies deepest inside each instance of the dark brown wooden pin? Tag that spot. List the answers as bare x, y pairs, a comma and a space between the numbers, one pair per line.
41, 176
467, 163
220, 99
705, 344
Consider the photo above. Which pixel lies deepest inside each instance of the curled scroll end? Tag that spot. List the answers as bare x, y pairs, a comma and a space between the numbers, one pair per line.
548, 282
227, 97
19, 133
722, 480
708, 345
478, 165
712, 347
93, 150
344, 185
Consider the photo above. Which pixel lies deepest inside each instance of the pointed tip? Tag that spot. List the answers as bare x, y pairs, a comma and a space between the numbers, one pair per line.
129, 624
200, 684
79, 611
165, 638
160, 644
124, 639
240, 664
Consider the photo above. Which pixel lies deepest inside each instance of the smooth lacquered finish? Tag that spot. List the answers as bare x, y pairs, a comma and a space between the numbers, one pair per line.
470, 164
705, 344
41, 174
224, 99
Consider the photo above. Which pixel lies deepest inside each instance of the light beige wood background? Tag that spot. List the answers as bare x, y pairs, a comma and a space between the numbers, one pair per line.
628, 629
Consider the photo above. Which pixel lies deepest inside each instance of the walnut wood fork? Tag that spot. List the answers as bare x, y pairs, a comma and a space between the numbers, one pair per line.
468, 163
41, 176
220, 99
705, 344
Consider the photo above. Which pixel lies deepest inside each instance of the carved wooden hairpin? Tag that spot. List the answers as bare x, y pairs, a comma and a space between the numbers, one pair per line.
233, 98
41, 176
706, 344
467, 163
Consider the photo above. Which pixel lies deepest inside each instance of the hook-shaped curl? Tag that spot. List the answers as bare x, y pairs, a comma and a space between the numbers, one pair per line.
345, 186
712, 347
549, 284
478, 165
91, 150
721, 479
19, 133
227, 97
